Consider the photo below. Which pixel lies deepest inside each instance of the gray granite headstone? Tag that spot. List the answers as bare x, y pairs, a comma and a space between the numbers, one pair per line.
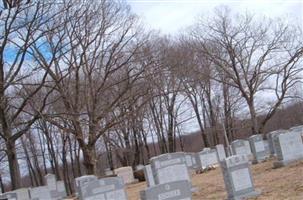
266, 146
103, 189
298, 129
149, 177
241, 147
270, 138
178, 190
10, 196
82, 180
50, 181
258, 149
221, 152
289, 148
40, 193
191, 161
237, 177
207, 158
19, 194
169, 167
61, 189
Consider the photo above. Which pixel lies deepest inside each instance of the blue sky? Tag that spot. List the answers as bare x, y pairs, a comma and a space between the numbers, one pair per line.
169, 16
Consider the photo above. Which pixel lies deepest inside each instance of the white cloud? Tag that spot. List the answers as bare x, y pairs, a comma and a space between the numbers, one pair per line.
169, 16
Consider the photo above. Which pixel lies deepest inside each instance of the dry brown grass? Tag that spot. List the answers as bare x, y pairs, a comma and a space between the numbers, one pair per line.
275, 184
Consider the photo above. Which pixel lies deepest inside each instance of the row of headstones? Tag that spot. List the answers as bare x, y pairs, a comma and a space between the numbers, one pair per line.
53, 190
168, 177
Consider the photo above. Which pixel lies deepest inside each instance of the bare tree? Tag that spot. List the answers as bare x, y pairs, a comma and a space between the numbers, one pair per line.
21, 79
252, 54
96, 75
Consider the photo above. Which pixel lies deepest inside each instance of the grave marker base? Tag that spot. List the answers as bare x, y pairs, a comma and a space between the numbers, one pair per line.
246, 196
283, 163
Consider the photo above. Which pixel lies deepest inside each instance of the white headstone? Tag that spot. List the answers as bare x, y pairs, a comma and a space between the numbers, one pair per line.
126, 173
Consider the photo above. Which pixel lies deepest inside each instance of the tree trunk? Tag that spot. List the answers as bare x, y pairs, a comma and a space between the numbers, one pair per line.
89, 160
253, 117
13, 165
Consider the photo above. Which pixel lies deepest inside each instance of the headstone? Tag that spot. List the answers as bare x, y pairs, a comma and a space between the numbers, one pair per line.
40, 193
50, 181
103, 189
126, 173
178, 190
19, 194
221, 152
289, 148
237, 177
266, 146
10, 196
207, 158
56, 191
149, 177
169, 168
270, 138
241, 147
298, 129
191, 161
82, 180
258, 149
61, 189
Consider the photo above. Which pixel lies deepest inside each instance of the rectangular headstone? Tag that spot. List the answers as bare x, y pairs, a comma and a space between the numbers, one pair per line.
298, 129
178, 190
40, 193
289, 148
50, 181
169, 167
126, 173
191, 161
221, 152
82, 180
207, 159
258, 148
237, 177
270, 138
149, 177
172, 173
241, 147
104, 189
10, 196
21, 194
61, 189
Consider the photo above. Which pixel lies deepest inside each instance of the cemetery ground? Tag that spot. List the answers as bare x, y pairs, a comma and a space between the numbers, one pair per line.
275, 184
